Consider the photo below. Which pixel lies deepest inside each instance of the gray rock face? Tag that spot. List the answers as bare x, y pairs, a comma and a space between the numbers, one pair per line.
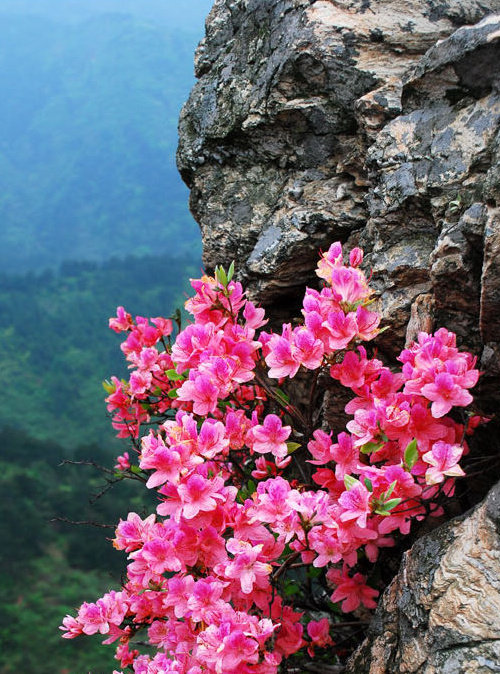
366, 122
441, 614
376, 124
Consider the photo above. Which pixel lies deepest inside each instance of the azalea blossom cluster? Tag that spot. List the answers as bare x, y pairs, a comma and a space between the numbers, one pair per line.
250, 492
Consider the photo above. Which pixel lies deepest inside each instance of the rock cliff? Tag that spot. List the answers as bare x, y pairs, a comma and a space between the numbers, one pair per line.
376, 124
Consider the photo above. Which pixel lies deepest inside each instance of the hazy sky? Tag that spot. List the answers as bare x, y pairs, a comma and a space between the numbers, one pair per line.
187, 14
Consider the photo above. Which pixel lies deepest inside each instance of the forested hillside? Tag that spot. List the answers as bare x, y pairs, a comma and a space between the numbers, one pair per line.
55, 345
93, 215
48, 568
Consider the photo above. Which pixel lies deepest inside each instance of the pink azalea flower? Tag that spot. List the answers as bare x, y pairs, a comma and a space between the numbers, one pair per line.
246, 566
356, 504
367, 322
352, 591
133, 532
342, 329
320, 448
122, 322
71, 627
200, 390
349, 284
280, 358
319, 632
307, 349
271, 437
445, 394
199, 494
443, 459
122, 461
345, 455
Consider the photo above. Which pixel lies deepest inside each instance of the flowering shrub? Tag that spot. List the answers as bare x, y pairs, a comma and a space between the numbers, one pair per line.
259, 509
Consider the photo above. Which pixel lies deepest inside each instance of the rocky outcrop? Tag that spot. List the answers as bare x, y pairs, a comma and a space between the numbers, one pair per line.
441, 614
376, 124
366, 122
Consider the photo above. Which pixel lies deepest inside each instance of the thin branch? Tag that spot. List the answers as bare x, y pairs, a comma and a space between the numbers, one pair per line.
103, 469
66, 520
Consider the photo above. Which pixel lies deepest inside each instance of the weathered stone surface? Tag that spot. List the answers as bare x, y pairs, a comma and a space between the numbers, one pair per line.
376, 124
442, 611
372, 123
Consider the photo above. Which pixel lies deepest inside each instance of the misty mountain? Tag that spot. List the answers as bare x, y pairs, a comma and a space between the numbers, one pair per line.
88, 131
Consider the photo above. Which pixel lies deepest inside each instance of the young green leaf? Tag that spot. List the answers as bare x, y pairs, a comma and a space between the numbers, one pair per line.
221, 276
389, 505
350, 481
172, 375
108, 386
293, 446
390, 490
411, 454
371, 447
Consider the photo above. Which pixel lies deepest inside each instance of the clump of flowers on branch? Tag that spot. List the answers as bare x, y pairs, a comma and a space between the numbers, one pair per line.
265, 521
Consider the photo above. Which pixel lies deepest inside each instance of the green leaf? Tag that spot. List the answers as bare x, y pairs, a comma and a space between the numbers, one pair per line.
293, 446
368, 484
282, 396
350, 481
411, 454
370, 447
173, 393
108, 386
251, 487
291, 588
221, 276
230, 272
314, 572
174, 376
385, 508
136, 470
389, 505
390, 490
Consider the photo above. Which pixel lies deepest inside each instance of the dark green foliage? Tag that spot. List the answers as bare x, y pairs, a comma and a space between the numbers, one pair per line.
56, 347
48, 569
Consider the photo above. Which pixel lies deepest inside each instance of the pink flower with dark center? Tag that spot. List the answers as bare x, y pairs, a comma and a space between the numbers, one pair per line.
342, 329
443, 459
199, 494
445, 394
355, 503
271, 436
